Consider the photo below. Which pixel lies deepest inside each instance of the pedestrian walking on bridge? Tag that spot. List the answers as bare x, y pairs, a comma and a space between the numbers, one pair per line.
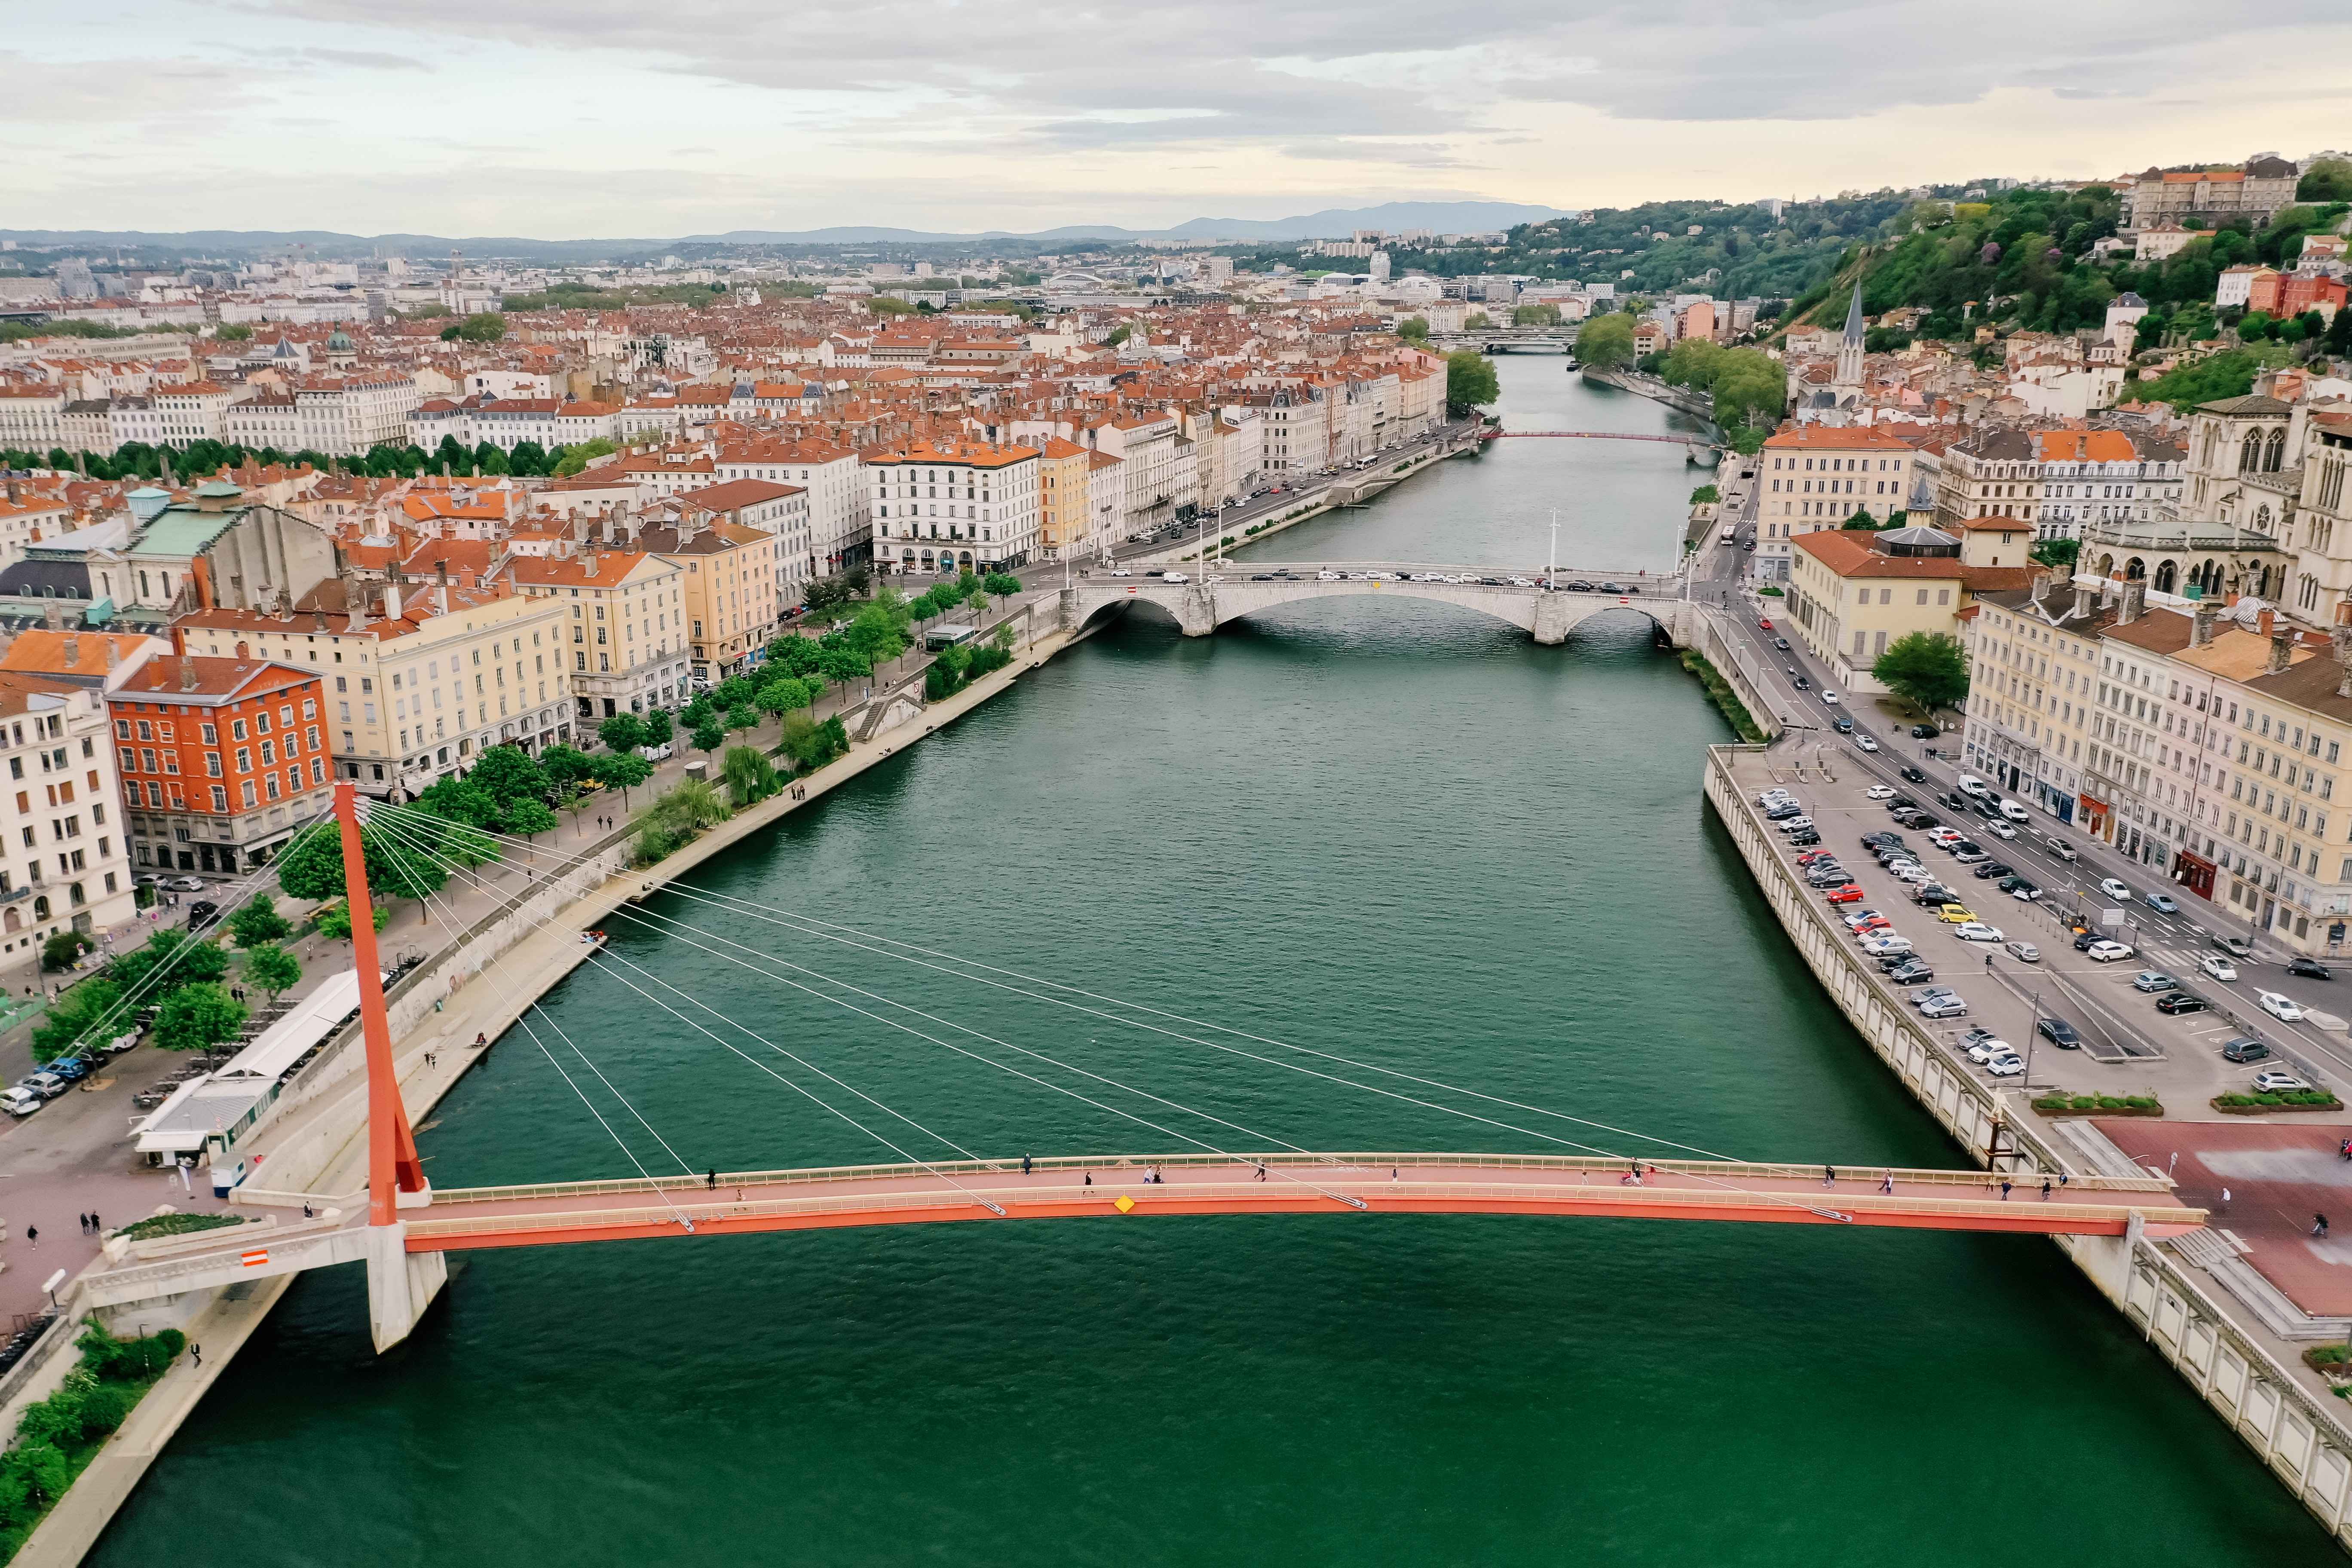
2319, 1225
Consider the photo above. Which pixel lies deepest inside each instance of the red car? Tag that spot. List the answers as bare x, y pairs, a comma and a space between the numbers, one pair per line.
1765, 624
1876, 923
1849, 894
1810, 856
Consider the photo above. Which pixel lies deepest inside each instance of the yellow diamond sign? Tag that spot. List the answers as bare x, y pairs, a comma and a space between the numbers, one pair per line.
1124, 1203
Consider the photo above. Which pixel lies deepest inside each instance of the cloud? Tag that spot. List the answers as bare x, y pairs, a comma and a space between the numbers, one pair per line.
360, 60
115, 91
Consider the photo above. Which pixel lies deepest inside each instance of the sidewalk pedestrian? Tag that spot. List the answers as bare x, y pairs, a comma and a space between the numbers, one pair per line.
1829, 1176
1886, 1183
195, 1354
2319, 1225
2005, 1185
2225, 1200
1024, 1165
33, 1234
2046, 1189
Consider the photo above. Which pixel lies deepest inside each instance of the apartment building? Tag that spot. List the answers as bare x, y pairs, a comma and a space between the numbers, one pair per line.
622, 616
2253, 192
1851, 593
780, 511
2033, 657
418, 676
1816, 477
222, 759
1159, 465
951, 504
64, 862
1064, 476
32, 415
840, 525
2063, 481
735, 578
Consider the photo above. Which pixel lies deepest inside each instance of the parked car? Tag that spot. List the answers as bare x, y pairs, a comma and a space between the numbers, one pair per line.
1849, 894
186, 884
660, 754
1984, 1047
2180, 1001
1977, 930
1925, 732
1909, 971
2025, 952
1970, 854
1879, 792
72, 1069
2310, 968
2012, 1066
1992, 868
2153, 981
1934, 896
2106, 952
47, 1085
2058, 1032
2163, 904
19, 1101
2271, 1080
2280, 1007
2244, 1049
1956, 914
1951, 1007
2020, 887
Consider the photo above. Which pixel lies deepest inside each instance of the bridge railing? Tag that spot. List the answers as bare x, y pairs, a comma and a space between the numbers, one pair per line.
1336, 1188
1609, 1167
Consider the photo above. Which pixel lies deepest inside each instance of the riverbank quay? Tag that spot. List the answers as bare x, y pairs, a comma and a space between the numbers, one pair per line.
1656, 390
2250, 1375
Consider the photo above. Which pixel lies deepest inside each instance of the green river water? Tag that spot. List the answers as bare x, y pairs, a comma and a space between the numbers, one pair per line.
1398, 832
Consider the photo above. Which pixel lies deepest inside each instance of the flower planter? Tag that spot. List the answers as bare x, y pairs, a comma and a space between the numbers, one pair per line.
2070, 1109
2329, 1106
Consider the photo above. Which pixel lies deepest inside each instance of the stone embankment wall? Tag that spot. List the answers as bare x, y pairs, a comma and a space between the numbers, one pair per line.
2295, 1430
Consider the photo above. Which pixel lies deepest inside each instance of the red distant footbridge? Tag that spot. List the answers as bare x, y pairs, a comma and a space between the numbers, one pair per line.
1586, 436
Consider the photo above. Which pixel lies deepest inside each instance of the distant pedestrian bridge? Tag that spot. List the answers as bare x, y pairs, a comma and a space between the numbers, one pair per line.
1546, 604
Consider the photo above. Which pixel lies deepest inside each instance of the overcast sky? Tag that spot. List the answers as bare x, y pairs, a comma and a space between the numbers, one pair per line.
567, 118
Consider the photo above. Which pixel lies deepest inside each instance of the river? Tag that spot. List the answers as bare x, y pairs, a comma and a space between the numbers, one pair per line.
1402, 833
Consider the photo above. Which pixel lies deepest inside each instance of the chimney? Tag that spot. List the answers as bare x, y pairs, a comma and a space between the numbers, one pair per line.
2340, 643
2266, 620
112, 653
355, 603
391, 598
2083, 592
2200, 623
2135, 602
187, 675
73, 650
180, 642
589, 557
243, 648
16, 493
2281, 649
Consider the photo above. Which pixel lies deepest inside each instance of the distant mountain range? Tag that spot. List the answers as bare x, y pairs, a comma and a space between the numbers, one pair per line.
1334, 222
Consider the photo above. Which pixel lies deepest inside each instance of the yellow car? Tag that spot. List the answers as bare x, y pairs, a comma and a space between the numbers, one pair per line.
1956, 914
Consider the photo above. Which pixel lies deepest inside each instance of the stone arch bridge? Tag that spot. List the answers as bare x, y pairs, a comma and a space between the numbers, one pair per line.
1204, 603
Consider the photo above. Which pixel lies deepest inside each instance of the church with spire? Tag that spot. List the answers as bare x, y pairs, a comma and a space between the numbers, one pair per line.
1849, 359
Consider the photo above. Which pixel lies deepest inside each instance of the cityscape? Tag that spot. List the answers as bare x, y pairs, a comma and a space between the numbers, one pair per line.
620, 753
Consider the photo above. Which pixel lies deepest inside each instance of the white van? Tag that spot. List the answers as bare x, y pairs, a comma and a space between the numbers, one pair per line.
2014, 812
1173, 577
1971, 785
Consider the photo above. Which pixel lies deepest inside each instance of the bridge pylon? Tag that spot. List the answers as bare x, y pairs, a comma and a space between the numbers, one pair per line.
400, 1285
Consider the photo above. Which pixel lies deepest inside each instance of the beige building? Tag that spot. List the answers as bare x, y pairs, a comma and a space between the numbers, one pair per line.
626, 613
419, 675
1062, 479
2034, 660
1853, 592
731, 588
1816, 477
65, 864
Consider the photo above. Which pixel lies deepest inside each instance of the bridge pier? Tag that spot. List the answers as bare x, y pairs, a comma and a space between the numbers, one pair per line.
1554, 615
401, 1283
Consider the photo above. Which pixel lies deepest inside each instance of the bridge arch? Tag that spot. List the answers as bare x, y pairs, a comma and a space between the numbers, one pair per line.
1200, 608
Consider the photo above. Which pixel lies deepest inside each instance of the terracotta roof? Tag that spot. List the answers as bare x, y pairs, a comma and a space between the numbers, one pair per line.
1847, 553
216, 680
1823, 437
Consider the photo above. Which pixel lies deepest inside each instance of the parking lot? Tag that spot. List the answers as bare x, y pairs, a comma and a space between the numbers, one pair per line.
2127, 1046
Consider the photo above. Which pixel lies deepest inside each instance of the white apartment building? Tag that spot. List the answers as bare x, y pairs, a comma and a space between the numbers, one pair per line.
837, 491
64, 862
1160, 465
957, 503
31, 415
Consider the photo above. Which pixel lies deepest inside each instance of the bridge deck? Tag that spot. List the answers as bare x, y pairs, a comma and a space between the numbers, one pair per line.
1118, 1186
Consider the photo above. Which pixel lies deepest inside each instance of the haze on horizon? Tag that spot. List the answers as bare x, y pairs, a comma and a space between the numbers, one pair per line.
583, 118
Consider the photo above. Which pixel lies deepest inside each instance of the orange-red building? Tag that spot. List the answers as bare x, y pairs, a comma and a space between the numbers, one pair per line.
222, 759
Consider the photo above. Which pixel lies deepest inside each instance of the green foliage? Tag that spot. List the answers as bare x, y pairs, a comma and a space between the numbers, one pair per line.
1001, 583
272, 968
88, 1015
1478, 321
313, 868
575, 459
709, 735
2328, 180
335, 920
621, 732
2229, 373
1706, 495
233, 332
793, 655
623, 770
693, 806
656, 727
748, 775
176, 1224
185, 957
565, 765
487, 327
1118, 335
1927, 670
1743, 722
1536, 315
1469, 381
1606, 343
2062, 553
257, 921
62, 948
197, 1016
1413, 329
810, 744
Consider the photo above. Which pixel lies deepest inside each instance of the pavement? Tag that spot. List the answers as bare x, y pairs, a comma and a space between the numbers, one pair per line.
2281, 1176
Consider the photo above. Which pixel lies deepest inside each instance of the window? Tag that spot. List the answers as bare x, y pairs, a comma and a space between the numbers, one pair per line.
220, 798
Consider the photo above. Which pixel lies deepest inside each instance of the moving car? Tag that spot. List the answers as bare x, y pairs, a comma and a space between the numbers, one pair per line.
1829, 697
1842, 724
2059, 850
1911, 775
2153, 981
1780, 643
2277, 1006
2310, 968
2106, 952
2024, 952
2271, 1080
2244, 1049
2218, 968
2163, 904
2000, 829
2114, 889
1801, 684
1925, 732
2014, 812
1866, 743
2020, 887
1971, 785
2235, 946
186, 884
2180, 1001
2058, 1032
1763, 621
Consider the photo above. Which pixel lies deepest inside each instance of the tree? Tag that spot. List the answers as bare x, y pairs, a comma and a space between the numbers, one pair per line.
1469, 381
750, 776
313, 868
1004, 584
1606, 343
621, 732
194, 1017
258, 921
1477, 321
528, 817
1536, 315
565, 765
335, 920
793, 655
487, 327
529, 457
2062, 553
1413, 329
625, 771
180, 956
506, 773
85, 1016
60, 950
708, 736
1861, 520
658, 727
575, 459
1118, 335
2328, 180
1927, 670
273, 969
